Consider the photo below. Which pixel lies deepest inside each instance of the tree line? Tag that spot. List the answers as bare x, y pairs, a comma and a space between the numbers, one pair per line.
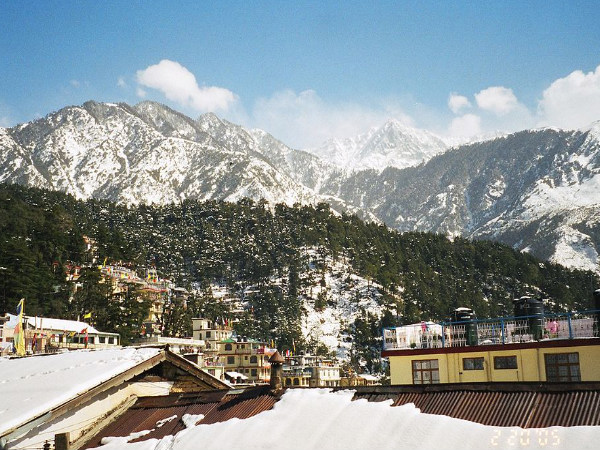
422, 276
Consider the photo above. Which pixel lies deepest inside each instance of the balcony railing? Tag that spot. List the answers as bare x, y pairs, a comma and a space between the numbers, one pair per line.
497, 331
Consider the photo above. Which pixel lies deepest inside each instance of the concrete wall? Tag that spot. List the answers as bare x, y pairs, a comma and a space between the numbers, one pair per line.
531, 365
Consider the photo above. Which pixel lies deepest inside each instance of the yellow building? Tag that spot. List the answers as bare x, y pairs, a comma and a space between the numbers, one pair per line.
246, 357
563, 348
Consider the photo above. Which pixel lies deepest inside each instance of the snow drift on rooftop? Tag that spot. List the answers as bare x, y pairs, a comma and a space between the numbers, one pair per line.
320, 419
31, 386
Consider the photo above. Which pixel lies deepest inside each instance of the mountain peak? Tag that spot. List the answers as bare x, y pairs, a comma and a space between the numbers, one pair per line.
209, 120
392, 144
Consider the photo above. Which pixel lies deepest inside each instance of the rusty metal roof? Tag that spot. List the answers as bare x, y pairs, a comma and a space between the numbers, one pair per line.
215, 406
527, 405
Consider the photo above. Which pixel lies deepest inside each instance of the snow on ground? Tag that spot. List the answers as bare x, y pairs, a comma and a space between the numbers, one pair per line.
575, 249
31, 386
320, 419
346, 294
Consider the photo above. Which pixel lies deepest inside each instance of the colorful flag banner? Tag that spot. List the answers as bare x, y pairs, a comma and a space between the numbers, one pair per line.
19, 333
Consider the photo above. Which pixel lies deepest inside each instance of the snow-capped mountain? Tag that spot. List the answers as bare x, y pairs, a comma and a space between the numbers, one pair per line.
152, 154
537, 190
392, 144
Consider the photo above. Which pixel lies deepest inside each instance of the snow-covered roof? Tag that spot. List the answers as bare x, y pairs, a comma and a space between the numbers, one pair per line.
320, 419
31, 386
51, 324
236, 375
366, 376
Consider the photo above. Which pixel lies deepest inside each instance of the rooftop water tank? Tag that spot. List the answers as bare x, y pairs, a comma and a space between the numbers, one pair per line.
533, 309
467, 316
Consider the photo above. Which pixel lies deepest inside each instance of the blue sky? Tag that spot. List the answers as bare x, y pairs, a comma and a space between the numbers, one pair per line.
307, 71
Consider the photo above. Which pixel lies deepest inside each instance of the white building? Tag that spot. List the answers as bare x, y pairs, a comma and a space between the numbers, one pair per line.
45, 334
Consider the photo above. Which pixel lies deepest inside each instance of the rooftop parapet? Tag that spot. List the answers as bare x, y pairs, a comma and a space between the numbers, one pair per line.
496, 331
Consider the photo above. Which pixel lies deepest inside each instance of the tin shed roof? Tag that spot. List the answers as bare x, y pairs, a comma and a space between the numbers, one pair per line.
215, 406
527, 405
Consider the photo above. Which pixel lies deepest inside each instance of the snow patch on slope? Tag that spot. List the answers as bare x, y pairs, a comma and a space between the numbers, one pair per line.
346, 296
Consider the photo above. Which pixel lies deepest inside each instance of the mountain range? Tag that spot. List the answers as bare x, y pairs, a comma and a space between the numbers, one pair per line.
536, 190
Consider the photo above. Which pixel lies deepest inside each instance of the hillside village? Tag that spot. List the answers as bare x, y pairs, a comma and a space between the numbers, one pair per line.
311, 225
213, 344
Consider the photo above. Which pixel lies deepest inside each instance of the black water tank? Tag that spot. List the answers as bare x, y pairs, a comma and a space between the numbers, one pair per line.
528, 306
467, 316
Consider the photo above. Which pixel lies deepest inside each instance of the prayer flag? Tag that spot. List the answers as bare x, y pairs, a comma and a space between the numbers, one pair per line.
19, 333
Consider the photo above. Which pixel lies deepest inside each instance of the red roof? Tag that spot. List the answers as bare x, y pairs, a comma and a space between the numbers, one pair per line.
216, 406
527, 405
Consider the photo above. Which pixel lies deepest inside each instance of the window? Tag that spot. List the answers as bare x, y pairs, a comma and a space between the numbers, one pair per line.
102, 339
228, 347
426, 371
562, 367
231, 360
111, 340
296, 382
91, 340
505, 362
253, 360
253, 372
472, 363
207, 334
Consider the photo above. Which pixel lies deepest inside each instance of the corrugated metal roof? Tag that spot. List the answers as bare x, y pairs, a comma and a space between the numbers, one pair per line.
215, 406
527, 405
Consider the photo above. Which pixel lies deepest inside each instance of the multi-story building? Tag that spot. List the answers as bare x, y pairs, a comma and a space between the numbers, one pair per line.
310, 371
247, 357
535, 346
210, 332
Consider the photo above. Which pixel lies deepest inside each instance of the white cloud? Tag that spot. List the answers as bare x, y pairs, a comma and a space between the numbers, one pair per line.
305, 120
572, 101
140, 92
121, 82
465, 126
75, 83
458, 102
179, 85
497, 99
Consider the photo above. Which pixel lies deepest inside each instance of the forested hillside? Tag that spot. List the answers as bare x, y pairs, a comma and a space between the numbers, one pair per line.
419, 275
